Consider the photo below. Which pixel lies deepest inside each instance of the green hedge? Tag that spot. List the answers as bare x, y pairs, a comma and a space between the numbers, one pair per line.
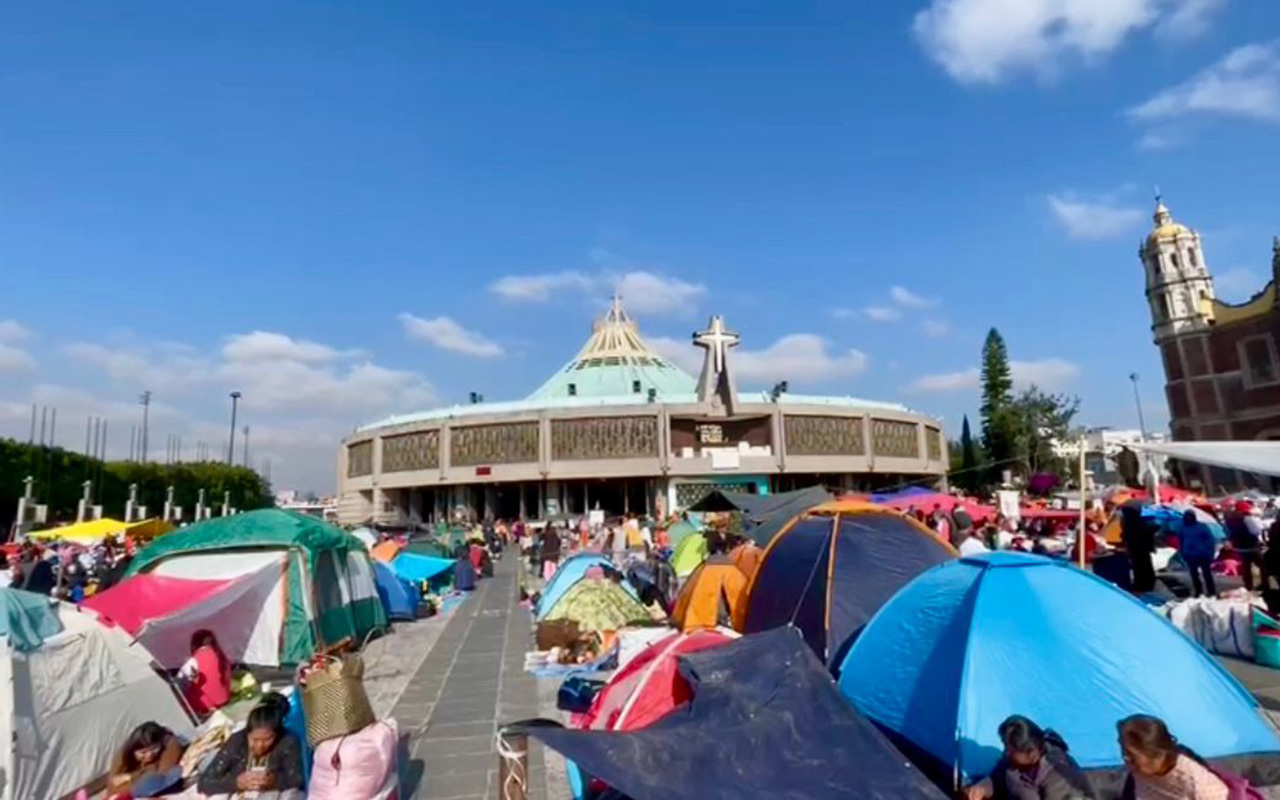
59, 475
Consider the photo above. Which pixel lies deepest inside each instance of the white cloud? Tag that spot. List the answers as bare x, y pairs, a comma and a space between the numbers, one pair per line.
647, 293
680, 352
908, 299
267, 346
1245, 83
444, 333
1100, 219
935, 328
1237, 283
1189, 18
797, 357
1156, 142
642, 292
881, 313
1050, 374
986, 41
539, 288
13, 359
13, 331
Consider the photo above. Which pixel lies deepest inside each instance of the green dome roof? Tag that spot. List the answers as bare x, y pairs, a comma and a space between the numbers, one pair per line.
616, 362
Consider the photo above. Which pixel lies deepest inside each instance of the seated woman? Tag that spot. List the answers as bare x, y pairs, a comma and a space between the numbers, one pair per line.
1159, 769
1035, 766
262, 758
148, 763
207, 674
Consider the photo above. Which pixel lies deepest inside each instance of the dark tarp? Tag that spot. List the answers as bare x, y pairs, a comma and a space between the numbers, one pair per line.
763, 515
765, 722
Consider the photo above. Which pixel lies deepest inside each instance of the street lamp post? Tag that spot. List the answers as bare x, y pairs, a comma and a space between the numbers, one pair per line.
1137, 398
231, 445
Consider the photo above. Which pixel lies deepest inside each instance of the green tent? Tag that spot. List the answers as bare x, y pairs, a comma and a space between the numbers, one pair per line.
598, 604
689, 554
329, 589
680, 531
429, 547
26, 619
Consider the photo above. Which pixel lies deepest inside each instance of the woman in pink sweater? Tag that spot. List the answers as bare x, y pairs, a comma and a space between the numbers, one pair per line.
1161, 770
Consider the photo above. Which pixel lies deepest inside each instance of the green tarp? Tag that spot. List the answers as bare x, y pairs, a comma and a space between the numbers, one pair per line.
690, 553
27, 619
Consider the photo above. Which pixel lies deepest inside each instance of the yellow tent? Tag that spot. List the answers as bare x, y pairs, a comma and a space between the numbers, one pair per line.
94, 531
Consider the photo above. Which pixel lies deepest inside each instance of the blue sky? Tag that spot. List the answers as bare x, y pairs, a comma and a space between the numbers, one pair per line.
345, 210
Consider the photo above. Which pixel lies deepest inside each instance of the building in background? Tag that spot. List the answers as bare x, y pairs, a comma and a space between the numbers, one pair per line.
1222, 375
621, 429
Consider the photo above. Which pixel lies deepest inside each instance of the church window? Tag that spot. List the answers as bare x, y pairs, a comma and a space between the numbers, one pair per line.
1191, 257
1173, 260
1258, 358
1165, 310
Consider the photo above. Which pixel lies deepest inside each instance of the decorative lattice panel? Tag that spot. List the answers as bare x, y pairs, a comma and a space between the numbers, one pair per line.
825, 436
606, 437
689, 493
514, 443
894, 439
411, 451
359, 459
933, 440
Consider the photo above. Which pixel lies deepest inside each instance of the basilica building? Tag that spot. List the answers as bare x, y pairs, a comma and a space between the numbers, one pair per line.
620, 429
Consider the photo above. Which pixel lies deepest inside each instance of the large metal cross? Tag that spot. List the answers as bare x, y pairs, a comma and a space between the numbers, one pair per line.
717, 342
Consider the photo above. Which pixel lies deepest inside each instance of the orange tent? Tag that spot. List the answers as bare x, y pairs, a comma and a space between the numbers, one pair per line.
746, 557
711, 596
386, 552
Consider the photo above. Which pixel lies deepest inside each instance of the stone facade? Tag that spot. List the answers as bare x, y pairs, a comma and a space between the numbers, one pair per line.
604, 437
477, 445
825, 436
411, 451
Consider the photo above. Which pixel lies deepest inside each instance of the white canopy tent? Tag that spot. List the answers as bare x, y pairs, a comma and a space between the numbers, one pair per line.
1262, 458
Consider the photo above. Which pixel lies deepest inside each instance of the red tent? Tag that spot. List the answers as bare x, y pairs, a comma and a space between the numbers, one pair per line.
649, 686
926, 503
246, 613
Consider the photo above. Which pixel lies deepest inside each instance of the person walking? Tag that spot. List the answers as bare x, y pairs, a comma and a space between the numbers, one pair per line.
1140, 543
1245, 535
1198, 547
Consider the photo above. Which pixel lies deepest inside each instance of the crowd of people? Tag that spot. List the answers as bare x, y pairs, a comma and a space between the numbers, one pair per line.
66, 570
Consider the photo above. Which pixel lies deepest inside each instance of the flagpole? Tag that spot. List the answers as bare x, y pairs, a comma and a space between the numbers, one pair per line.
1083, 532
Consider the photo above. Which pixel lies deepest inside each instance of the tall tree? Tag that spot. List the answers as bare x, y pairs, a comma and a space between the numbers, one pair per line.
1039, 421
997, 398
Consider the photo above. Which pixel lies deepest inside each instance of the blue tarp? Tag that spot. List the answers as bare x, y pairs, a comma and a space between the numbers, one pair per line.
26, 619
973, 641
876, 553
399, 597
1169, 518
570, 572
417, 568
910, 491
765, 722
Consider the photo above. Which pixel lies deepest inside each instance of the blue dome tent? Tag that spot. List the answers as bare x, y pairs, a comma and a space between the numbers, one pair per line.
971, 642
570, 572
399, 597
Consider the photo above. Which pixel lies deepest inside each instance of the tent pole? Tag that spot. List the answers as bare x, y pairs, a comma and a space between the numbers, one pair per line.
1083, 532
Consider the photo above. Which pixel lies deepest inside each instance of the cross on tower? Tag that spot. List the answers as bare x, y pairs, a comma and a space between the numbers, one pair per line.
717, 342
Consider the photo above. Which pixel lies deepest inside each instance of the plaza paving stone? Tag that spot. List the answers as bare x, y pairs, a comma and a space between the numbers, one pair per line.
470, 682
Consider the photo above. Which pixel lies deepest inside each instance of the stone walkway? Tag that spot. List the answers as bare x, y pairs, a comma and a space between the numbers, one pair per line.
472, 680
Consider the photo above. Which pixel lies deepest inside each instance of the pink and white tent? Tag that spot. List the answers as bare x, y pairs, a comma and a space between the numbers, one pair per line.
246, 613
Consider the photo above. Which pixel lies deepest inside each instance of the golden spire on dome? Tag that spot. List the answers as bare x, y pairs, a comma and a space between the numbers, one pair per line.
1165, 225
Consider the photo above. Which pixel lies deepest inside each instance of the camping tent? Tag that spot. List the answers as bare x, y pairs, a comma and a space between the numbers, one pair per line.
746, 557
977, 639
367, 536
386, 551
416, 569
761, 706
326, 582
70, 689
832, 568
246, 613
1168, 518
927, 501
430, 547
94, 531
691, 552
400, 598
598, 604
649, 685
711, 596
570, 571
681, 531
